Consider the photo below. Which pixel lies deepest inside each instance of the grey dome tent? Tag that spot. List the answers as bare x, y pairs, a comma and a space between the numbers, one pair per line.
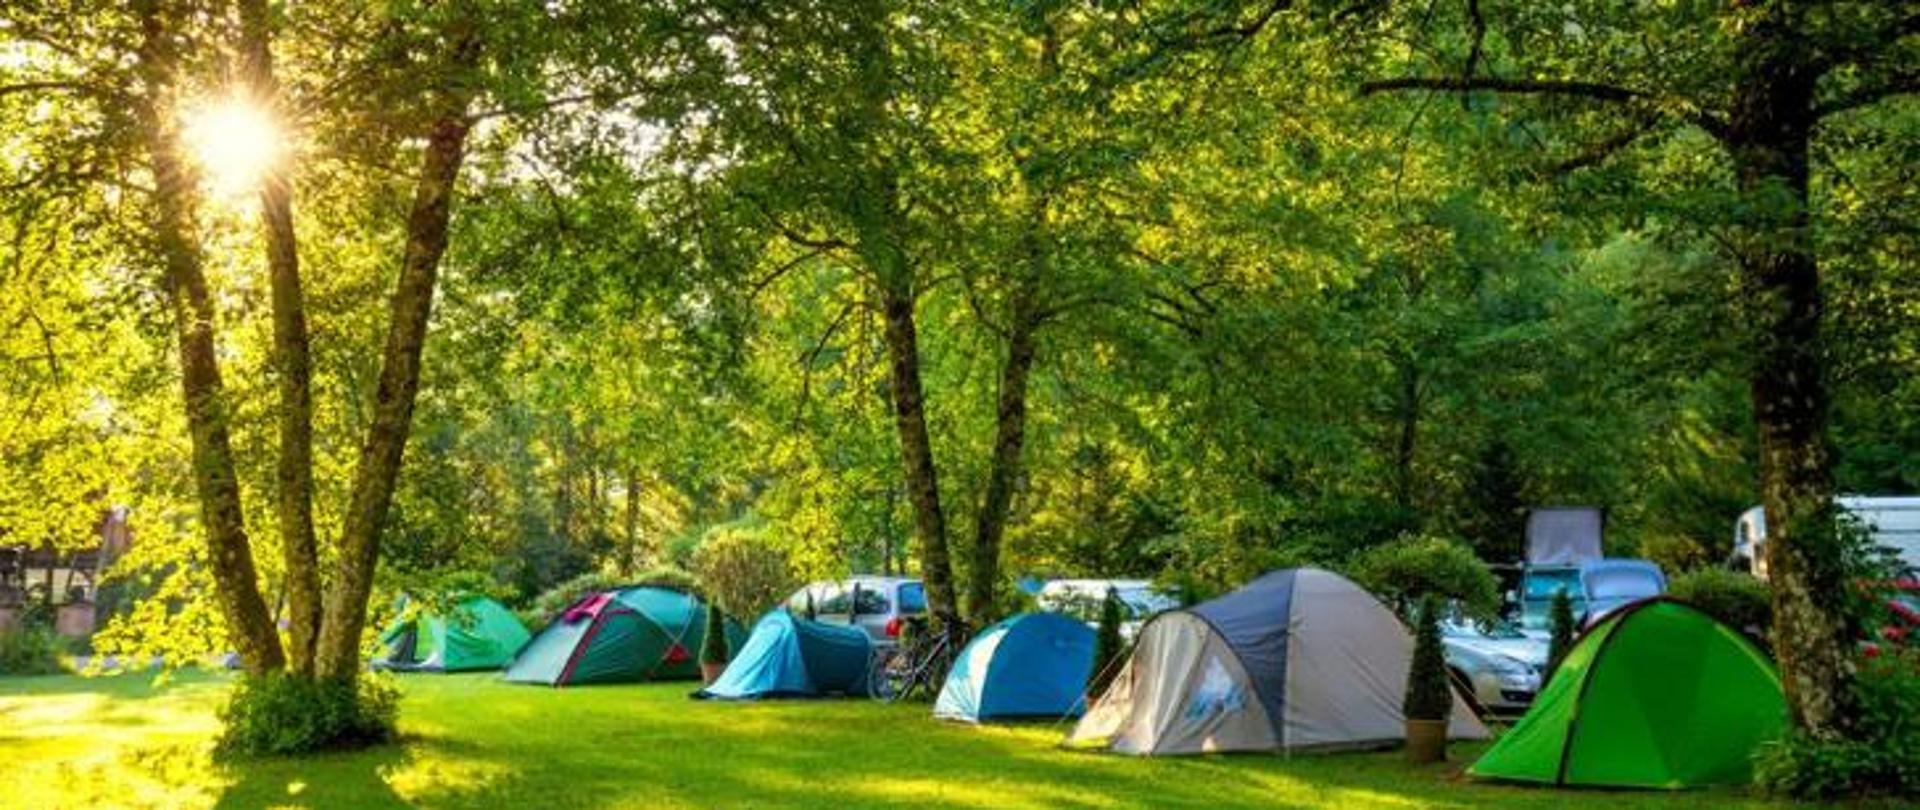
1298, 659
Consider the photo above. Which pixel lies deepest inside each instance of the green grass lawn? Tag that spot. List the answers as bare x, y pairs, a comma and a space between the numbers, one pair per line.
472, 741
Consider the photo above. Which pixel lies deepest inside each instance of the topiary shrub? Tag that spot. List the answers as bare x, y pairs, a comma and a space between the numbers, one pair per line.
1404, 571
1740, 600
1881, 755
278, 715
1108, 644
1428, 696
31, 650
713, 645
1560, 627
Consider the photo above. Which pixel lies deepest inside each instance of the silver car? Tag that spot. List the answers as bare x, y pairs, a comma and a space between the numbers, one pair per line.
1082, 599
879, 605
1500, 666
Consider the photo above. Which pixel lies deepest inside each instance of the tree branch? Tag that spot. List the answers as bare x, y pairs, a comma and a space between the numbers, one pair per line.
1597, 91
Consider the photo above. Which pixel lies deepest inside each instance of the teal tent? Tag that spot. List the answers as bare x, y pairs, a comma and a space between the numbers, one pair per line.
474, 633
631, 634
1031, 665
792, 657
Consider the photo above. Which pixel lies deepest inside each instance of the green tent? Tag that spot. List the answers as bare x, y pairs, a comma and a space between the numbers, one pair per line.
1657, 695
632, 634
476, 633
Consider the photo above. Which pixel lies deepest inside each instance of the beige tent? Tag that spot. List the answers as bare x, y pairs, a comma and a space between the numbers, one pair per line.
1299, 658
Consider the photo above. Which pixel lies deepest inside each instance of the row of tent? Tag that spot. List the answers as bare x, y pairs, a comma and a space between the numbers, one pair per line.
1656, 695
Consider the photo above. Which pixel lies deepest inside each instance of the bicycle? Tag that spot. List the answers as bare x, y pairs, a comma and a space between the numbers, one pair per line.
918, 668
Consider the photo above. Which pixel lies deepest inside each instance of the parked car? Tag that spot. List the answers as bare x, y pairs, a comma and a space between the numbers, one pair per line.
1081, 599
1596, 588
881, 606
1500, 667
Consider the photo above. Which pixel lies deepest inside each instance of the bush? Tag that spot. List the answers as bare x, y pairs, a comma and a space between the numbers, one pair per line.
713, 644
1404, 571
31, 650
1108, 644
1880, 756
1740, 600
1428, 697
563, 595
1674, 553
279, 714
743, 570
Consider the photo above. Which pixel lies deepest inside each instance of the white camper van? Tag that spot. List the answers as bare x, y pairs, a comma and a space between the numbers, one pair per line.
1893, 522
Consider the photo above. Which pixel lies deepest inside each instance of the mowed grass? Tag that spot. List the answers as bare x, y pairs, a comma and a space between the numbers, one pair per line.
472, 741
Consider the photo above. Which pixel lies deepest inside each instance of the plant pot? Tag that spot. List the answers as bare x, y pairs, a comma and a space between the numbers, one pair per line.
74, 619
710, 672
1426, 741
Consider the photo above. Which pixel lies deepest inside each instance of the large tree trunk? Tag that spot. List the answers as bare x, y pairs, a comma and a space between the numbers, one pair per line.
339, 646
1768, 137
1009, 440
230, 558
916, 445
299, 548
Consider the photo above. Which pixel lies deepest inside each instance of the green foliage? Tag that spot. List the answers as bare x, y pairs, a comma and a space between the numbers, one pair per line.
279, 714
1880, 754
553, 602
1560, 629
713, 645
1109, 646
1674, 554
31, 649
1405, 571
743, 569
1428, 697
1740, 600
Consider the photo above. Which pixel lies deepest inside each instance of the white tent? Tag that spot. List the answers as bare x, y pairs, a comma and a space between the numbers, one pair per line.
1299, 658
1564, 535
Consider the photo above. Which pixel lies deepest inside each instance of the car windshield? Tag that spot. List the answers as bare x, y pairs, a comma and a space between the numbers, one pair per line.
1147, 601
1542, 584
1623, 584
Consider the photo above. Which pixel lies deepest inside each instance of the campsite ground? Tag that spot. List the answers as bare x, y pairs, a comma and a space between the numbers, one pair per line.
472, 741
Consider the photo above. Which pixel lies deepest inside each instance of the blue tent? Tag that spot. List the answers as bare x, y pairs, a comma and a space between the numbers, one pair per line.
791, 657
1032, 665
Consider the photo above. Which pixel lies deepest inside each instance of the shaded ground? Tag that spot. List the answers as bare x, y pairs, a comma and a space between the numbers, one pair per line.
475, 742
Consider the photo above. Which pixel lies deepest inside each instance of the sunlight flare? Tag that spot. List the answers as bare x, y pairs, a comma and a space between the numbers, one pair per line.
235, 142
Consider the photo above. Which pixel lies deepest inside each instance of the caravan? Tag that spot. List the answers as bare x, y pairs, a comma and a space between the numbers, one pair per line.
1893, 522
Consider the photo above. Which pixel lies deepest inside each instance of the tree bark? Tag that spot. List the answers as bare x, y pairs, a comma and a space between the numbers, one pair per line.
633, 522
292, 357
1010, 434
1407, 443
337, 655
916, 445
1768, 136
229, 557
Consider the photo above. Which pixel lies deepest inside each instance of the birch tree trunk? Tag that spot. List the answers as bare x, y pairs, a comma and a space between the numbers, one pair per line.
175, 198
338, 651
291, 356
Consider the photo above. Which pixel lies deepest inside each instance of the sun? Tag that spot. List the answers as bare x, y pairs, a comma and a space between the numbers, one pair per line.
235, 142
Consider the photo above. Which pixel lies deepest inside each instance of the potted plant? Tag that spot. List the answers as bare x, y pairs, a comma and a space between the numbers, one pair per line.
713, 646
1429, 700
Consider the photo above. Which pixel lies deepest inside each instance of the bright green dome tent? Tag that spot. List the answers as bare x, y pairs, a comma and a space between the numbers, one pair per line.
1657, 695
476, 633
642, 633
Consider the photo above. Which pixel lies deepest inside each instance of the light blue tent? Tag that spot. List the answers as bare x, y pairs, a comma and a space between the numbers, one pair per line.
791, 657
1031, 665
